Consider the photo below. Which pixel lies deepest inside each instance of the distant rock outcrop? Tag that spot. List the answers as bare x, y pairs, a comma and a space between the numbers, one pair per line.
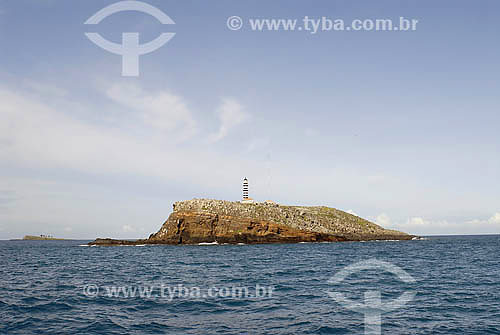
205, 221
41, 238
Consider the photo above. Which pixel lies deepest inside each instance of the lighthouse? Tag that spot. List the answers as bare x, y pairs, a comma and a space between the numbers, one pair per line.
246, 199
245, 189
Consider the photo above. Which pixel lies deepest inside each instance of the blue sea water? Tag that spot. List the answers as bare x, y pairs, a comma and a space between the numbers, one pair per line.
59, 287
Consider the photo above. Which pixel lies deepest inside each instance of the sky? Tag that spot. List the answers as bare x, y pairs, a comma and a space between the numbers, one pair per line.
399, 127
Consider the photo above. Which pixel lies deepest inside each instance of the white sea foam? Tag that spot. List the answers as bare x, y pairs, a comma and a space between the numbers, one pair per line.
208, 243
416, 238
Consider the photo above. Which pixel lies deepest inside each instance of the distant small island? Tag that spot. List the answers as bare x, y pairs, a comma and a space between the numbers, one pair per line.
207, 221
41, 238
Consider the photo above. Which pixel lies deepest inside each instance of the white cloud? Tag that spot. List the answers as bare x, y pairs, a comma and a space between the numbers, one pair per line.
128, 229
46, 89
421, 226
412, 225
68, 229
383, 220
34, 134
230, 114
495, 219
160, 110
416, 221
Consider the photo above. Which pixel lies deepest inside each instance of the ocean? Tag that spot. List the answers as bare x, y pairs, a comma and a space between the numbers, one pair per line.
62, 287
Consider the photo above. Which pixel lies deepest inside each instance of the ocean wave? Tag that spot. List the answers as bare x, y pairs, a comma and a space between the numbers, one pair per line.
209, 243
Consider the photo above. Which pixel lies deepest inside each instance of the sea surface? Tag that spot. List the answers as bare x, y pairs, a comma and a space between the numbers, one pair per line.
60, 287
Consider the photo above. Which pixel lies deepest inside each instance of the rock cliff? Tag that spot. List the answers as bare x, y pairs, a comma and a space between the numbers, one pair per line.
207, 221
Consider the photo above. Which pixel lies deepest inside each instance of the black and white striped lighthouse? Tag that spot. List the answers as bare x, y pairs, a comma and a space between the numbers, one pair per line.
245, 189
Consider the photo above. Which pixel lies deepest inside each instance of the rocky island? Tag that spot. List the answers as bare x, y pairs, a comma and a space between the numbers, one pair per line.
41, 238
217, 221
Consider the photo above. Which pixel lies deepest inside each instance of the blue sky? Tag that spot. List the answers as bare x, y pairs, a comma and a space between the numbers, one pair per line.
398, 127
